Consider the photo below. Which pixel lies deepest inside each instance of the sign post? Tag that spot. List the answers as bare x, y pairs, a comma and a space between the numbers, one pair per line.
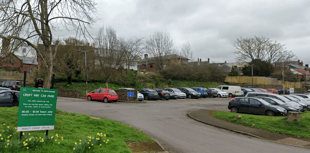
37, 107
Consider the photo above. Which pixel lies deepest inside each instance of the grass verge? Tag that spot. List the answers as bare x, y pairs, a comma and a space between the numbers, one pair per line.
73, 133
273, 124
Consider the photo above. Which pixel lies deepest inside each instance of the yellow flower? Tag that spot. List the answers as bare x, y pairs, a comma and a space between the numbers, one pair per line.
58, 142
3, 124
73, 148
0, 135
28, 133
97, 133
52, 137
8, 127
26, 139
1, 138
23, 133
15, 128
106, 142
100, 144
56, 135
103, 140
97, 138
27, 147
55, 139
75, 143
79, 143
92, 144
39, 137
8, 143
104, 135
80, 140
88, 142
8, 140
88, 147
92, 137
25, 144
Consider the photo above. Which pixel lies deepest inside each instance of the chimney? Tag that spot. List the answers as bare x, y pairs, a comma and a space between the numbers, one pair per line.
208, 60
145, 56
301, 63
225, 62
197, 59
306, 65
5, 45
200, 61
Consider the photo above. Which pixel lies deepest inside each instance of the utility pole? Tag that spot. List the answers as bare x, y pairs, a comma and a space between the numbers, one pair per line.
86, 69
283, 78
252, 75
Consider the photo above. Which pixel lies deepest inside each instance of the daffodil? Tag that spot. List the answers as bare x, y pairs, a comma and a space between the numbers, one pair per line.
75, 143
88, 142
80, 143
23, 133
8, 140
97, 138
1, 138
100, 144
104, 135
88, 147
27, 147
56, 135
92, 144
106, 142
55, 139
73, 148
58, 142
28, 133
80, 140
8, 126
8, 144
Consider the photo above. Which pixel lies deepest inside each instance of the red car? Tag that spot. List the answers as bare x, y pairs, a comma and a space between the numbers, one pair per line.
272, 91
102, 94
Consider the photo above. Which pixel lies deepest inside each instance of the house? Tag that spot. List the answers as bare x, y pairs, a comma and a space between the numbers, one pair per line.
151, 64
11, 62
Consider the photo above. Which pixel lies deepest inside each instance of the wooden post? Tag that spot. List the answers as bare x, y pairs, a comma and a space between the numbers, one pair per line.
291, 116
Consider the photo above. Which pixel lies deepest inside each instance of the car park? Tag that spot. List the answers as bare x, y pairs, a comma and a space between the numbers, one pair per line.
163, 94
202, 91
2, 83
287, 106
220, 93
212, 92
149, 94
232, 91
103, 94
179, 93
9, 98
140, 96
190, 93
279, 97
254, 105
13, 85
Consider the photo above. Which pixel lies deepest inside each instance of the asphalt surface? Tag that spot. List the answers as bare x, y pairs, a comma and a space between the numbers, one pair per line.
167, 122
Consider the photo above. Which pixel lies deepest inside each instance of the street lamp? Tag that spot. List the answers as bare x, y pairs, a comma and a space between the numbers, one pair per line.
86, 70
252, 74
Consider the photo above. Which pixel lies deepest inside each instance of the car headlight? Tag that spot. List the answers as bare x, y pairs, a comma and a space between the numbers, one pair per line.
292, 108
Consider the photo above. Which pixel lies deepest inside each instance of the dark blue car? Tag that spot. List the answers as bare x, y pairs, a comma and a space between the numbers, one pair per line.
149, 94
201, 90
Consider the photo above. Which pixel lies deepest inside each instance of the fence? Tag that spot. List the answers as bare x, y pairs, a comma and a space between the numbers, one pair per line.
10, 75
262, 81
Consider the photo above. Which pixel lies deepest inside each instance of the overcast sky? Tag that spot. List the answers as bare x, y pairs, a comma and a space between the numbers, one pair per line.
211, 26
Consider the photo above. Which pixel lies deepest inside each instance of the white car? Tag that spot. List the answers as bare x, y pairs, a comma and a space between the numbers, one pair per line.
181, 95
221, 93
231, 90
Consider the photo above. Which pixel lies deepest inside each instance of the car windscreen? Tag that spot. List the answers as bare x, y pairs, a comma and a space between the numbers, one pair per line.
176, 90
111, 91
190, 90
152, 91
299, 98
278, 101
290, 98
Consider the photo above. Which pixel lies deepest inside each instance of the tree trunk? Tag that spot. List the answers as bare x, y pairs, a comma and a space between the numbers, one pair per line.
107, 85
48, 75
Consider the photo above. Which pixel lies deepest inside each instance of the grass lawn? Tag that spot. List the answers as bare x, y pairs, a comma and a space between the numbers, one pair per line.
73, 133
273, 124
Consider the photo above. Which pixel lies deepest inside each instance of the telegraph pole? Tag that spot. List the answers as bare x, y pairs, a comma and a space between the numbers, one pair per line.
283, 77
86, 70
252, 75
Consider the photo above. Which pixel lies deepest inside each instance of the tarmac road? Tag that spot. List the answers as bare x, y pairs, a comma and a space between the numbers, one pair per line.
166, 122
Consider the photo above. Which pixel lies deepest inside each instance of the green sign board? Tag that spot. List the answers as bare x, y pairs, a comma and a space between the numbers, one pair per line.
37, 107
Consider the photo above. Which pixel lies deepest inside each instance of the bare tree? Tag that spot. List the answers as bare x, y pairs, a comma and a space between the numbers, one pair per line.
159, 45
186, 51
261, 48
35, 20
132, 48
108, 56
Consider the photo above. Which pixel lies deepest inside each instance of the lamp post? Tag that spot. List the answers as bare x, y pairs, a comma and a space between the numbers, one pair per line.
252, 74
86, 70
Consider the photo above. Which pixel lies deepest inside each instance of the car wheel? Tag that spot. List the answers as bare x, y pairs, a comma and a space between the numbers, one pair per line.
230, 95
189, 96
146, 98
270, 113
105, 100
89, 98
219, 96
234, 110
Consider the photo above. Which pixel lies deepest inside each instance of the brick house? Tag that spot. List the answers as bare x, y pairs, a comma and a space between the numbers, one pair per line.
12, 62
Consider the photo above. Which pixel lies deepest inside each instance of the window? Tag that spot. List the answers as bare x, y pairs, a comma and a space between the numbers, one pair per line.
251, 95
244, 101
225, 88
151, 65
132, 64
254, 102
102, 91
96, 91
111, 91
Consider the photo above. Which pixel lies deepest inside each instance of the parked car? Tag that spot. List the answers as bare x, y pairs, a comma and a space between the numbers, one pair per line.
263, 90
246, 90
232, 91
13, 85
303, 96
2, 83
3, 88
255, 90
149, 94
190, 93
269, 90
9, 98
220, 93
163, 94
287, 106
279, 97
253, 105
299, 100
140, 96
202, 91
212, 93
103, 94
179, 93
280, 91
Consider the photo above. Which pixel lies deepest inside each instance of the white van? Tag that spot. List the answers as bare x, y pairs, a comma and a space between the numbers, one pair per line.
231, 90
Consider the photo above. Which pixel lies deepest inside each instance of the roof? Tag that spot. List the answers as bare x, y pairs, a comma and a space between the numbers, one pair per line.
29, 60
302, 71
172, 56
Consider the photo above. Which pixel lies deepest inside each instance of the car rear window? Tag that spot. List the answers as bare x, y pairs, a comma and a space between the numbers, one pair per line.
111, 91
152, 91
18, 83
